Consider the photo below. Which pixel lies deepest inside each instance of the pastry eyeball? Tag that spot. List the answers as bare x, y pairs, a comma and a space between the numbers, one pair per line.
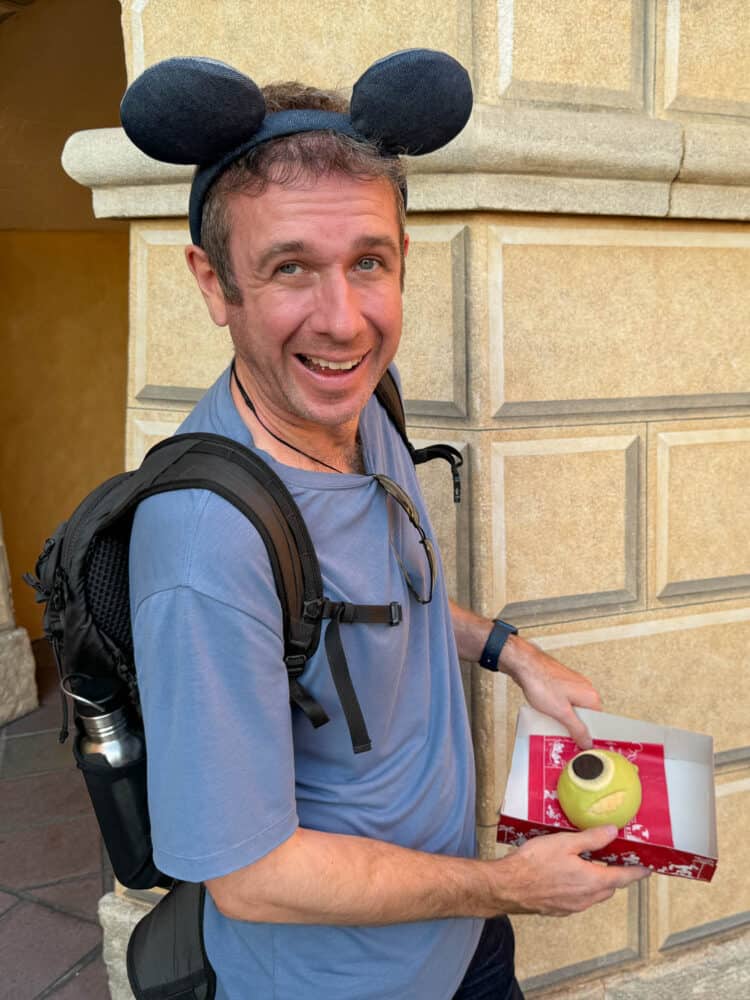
599, 787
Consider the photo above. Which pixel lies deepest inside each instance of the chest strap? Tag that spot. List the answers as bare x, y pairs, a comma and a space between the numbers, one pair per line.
339, 612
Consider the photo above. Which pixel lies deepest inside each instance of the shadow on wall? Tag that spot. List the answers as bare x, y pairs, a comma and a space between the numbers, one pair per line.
63, 278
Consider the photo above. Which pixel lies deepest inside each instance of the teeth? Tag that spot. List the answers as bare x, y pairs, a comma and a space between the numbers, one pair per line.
341, 366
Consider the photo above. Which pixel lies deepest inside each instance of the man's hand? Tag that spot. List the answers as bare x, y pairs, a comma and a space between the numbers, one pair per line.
550, 878
550, 687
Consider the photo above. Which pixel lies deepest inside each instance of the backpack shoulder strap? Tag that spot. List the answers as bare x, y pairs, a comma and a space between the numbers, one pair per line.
234, 472
389, 397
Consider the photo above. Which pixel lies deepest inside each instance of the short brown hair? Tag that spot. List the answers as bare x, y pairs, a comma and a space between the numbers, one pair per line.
287, 160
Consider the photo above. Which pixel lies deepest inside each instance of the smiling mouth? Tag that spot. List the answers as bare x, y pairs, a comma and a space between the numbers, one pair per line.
323, 365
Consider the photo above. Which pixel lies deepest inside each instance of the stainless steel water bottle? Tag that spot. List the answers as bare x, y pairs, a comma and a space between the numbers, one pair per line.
106, 729
110, 750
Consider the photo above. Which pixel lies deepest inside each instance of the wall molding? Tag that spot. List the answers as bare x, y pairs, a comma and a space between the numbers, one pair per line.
506, 159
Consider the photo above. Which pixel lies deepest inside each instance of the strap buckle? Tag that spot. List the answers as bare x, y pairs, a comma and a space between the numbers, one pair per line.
394, 609
295, 663
312, 610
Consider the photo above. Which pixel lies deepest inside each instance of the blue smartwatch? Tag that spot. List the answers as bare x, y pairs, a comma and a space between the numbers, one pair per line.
495, 642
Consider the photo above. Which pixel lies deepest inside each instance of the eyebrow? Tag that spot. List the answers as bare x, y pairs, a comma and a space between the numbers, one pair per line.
297, 246
372, 242
278, 250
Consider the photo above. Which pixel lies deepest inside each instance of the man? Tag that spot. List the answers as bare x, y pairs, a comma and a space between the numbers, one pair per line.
330, 874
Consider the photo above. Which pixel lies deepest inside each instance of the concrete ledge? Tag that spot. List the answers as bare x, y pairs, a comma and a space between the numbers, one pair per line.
18, 694
507, 159
118, 916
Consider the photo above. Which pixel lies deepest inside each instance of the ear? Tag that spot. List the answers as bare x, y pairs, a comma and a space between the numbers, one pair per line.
191, 110
412, 102
209, 284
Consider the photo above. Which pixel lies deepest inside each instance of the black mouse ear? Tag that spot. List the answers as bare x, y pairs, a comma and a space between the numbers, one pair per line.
191, 110
412, 102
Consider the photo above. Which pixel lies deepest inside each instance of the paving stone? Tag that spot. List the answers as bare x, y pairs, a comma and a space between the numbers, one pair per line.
721, 970
88, 984
37, 946
47, 854
43, 719
35, 753
6, 901
80, 896
35, 799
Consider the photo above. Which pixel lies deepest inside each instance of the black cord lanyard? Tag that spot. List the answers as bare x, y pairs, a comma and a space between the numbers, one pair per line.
251, 407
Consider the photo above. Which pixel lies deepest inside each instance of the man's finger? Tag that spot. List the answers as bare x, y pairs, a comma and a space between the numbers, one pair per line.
588, 697
625, 875
577, 729
594, 839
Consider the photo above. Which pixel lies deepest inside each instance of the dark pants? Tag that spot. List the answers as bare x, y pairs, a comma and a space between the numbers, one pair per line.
491, 974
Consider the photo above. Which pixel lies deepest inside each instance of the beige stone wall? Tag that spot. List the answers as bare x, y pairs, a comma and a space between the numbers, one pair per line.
576, 322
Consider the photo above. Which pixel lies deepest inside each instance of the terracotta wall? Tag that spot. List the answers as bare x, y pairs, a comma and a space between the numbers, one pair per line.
63, 276
63, 343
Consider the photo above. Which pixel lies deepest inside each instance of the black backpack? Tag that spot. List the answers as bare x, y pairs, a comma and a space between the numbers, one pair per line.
82, 578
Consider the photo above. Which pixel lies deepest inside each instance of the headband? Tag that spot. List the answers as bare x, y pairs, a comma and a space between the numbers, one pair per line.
201, 111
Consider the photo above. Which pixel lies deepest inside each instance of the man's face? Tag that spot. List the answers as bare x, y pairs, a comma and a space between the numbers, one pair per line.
319, 268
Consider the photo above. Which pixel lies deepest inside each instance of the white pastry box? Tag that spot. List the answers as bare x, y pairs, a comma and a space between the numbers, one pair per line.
673, 832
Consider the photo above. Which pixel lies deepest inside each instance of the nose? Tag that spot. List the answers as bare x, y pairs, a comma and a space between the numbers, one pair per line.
337, 311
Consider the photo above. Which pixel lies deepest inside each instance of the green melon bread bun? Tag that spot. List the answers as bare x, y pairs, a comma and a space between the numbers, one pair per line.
599, 787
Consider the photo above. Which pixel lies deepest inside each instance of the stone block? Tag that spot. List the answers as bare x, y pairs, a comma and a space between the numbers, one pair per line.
699, 514
18, 693
560, 347
7, 617
589, 53
326, 45
601, 939
686, 912
715, 154
709, 201
702, 58
118, 916
145, 428
714, 177
450, 521
432, 355
566, 522
176, 351
680, 667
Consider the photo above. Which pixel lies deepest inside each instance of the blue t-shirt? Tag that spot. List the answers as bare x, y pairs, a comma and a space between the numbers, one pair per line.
233, 770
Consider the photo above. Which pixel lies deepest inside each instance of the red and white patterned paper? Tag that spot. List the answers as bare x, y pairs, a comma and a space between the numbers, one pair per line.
548, 755
646, 840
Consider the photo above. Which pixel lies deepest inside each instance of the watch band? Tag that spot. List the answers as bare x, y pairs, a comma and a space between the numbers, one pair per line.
495, 642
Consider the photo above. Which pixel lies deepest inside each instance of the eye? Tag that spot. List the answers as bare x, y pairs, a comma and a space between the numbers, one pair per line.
289, 267
368, 264
591, 770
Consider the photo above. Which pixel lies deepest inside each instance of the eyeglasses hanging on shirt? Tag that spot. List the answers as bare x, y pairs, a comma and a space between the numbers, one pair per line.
419, 573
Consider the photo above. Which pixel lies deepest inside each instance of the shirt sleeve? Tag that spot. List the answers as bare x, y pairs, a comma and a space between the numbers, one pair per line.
215, 701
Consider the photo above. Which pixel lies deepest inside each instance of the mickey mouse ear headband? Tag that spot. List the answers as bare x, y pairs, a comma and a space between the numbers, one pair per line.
201, 111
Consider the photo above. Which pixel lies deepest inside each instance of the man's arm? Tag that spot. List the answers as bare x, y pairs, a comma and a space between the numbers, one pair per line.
547, 684
327, 878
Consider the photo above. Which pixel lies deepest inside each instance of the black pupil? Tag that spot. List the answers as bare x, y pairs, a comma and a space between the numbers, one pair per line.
587, 766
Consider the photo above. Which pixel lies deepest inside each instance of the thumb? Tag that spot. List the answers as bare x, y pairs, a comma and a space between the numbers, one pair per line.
595, 839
